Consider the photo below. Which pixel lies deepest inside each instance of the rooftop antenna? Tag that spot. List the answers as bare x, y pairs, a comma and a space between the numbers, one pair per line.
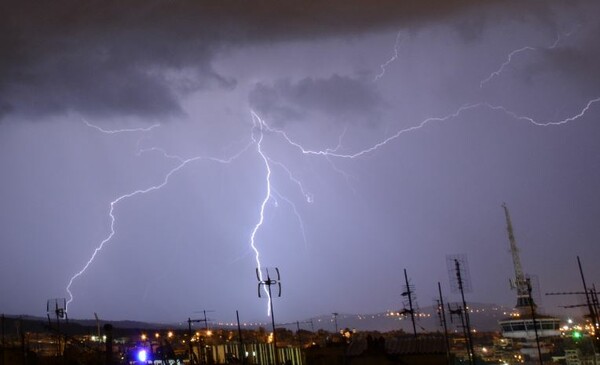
97, 324
460, 281
409, 294
458, 310
191, 349
442, 317
520, 282
201, 339
535, 325
205, 320
265, 282
592, 303
57, 307
335, 315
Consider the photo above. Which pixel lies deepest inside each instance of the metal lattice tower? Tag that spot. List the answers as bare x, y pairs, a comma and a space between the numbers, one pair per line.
524, 301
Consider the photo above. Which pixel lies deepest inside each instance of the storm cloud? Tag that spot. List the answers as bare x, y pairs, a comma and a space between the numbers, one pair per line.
108, 58
338, 97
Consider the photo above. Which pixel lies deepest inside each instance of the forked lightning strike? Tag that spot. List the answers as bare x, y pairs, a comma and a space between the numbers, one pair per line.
257, 136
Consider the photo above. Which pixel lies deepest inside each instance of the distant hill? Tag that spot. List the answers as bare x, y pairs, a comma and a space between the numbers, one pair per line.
484, 317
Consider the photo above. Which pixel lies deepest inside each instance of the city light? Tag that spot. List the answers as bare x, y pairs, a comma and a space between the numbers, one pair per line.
142, 355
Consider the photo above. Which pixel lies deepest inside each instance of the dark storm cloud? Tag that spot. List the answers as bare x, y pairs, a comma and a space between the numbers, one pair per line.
139, 57
336, 96
575, 61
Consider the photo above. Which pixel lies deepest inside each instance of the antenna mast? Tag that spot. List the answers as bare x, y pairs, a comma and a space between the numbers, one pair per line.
524, 300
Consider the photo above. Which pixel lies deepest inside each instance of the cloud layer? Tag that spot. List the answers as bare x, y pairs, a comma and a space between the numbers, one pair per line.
139, 58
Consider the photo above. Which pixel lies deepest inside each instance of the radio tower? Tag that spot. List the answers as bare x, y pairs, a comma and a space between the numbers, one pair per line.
524, 301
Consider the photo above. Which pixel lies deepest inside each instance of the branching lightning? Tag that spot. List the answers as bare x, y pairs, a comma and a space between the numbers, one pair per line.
307, 196
512, 54
260, 130
384, 66
182, 163
423, 123
296, 213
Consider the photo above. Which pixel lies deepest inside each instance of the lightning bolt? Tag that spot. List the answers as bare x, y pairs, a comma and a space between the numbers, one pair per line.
258, 126
307, 196
257, 137
113, 204
116, 131
295, 210
333, 152
384, 66
512, 54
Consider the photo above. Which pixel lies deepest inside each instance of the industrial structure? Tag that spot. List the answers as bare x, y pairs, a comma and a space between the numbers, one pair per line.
525, 325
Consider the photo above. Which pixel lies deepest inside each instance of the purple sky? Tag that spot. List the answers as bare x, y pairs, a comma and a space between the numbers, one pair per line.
514, 87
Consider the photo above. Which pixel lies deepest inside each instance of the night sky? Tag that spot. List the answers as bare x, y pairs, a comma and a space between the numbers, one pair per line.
388, 134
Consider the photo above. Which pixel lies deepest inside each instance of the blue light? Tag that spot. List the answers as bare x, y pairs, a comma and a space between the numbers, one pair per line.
142, 355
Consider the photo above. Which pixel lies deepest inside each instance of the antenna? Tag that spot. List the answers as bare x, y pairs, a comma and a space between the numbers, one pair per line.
335, 315
462, 283
193, 360
265, 282
592, 303
409, 293
442, 317
206, 320
58, 308
465, 276
97, 325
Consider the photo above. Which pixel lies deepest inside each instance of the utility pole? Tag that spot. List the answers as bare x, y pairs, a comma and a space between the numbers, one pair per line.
242, 351
3, 344
268, 283
3, 339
